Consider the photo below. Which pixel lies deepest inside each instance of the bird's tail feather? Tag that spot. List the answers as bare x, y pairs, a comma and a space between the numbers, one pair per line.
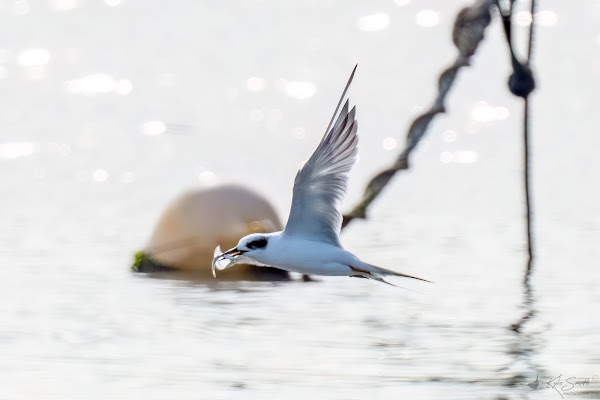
377, 273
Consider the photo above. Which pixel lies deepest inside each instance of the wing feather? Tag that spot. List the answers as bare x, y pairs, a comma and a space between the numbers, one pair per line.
321, 184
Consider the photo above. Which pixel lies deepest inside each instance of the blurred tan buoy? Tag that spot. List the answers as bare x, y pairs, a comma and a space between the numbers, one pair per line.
197, 221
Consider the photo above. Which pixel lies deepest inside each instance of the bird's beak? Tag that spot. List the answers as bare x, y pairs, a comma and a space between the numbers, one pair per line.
232, 255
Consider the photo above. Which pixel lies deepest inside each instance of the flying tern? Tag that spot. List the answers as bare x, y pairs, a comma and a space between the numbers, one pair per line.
310, 242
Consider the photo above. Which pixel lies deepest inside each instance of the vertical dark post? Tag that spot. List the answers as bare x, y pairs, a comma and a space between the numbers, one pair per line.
521, 83
526, 181
527, 156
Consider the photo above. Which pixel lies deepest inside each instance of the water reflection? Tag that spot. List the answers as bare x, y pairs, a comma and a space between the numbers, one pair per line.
525, 342
225, 281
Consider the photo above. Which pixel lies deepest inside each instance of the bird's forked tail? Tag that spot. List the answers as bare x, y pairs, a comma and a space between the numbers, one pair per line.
364, 270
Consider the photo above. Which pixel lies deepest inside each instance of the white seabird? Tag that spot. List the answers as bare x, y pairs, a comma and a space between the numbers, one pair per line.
310, 242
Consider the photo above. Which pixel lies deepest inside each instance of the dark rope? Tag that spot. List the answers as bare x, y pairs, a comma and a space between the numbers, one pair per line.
468, 31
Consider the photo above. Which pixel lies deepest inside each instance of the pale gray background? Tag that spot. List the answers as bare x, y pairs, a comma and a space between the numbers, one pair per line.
108, 109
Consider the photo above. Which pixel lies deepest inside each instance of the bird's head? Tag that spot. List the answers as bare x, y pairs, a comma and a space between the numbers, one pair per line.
247, 249
253, 242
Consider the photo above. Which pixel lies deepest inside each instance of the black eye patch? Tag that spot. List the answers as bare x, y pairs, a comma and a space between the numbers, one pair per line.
257, 244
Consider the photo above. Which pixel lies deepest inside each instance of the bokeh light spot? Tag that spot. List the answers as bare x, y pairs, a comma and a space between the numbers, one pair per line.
127, 177
255, 84
256, 115
446, 157
299, 133
94, 84
389, 143
449, 136
153, 128
483, 112
427, 18
123, 87
113, 3
21, 7
300, 90
12, 150
523, 18
547, 18
373, 23
100, 175
35, 57
64, 5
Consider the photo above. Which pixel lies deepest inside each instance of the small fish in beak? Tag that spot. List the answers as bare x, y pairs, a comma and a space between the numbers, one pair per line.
232, 255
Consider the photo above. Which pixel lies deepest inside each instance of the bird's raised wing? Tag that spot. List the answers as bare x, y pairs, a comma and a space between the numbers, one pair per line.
320, 185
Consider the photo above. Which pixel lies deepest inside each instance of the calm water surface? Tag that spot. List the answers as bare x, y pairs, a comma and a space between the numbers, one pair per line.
109, 109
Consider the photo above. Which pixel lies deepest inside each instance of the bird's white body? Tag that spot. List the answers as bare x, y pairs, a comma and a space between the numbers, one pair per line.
306, 256
310, 243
